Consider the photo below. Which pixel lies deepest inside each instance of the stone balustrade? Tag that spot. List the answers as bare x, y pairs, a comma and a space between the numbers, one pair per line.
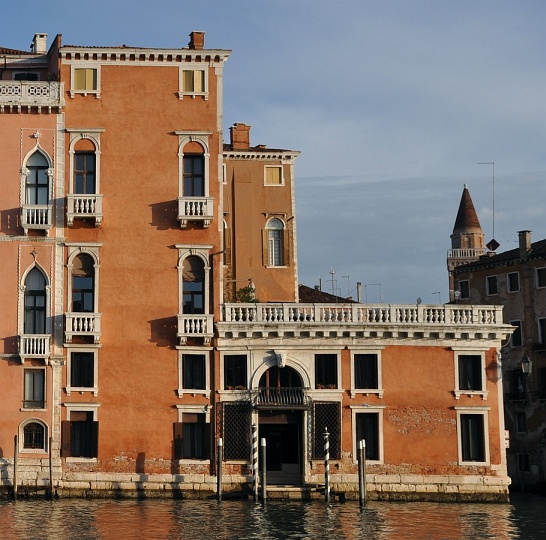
34, 346
36, 216
31, 94
83, 207
83, 324
194, 326
195, 209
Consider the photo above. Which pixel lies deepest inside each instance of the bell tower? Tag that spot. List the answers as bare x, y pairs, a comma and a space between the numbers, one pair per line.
467, 239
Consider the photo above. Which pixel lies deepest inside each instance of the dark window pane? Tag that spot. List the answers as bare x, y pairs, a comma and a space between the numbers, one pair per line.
367, 428
193, 375
82, 370
366, 375
325, 370
472, 437
34, 436
235, 377
470, 372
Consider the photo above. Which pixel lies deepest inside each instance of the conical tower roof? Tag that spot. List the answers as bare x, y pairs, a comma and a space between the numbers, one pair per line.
467, 218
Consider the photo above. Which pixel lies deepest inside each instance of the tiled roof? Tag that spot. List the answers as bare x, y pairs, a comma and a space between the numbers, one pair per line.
310, 295
5, 50
537, 251
467, 218
259, 148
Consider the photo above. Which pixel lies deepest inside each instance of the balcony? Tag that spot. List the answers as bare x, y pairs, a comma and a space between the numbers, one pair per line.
37, 217
293, 398
84, 207
361, 320
195, 326
465, 253
35, 346
195, 209
16, 95
82, 325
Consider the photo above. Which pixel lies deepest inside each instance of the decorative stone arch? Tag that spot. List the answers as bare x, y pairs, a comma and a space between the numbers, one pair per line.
25, 171
93, 136
21, 303
276, 223
276, 358
202, 138
27, 441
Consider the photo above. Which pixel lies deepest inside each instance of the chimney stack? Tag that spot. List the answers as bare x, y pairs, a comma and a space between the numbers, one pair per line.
240, 136
524, 242
39, 44
197, 40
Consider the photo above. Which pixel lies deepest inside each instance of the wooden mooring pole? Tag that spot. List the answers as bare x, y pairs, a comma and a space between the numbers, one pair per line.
326, 465
50, 470
15, 444
362, 471
219, 471
263, 475
255, 468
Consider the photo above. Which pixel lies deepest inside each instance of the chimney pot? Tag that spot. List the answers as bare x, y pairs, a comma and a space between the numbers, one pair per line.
240, 136
197, 40
524, 242
39, 44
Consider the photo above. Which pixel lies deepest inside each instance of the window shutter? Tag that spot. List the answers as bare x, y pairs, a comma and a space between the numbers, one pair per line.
178, 446
227, 246
94, 439
287, 247
66, 428
265, 246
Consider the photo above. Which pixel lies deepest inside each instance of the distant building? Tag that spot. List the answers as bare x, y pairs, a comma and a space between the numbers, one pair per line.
150, 306
515, 279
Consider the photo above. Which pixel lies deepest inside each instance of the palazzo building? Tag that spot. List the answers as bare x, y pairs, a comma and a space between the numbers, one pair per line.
149, 306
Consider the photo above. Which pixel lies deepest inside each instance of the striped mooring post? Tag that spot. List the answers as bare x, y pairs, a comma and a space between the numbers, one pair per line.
326, 465
255, 470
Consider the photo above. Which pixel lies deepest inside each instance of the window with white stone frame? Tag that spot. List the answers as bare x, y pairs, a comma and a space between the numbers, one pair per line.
192, 433
193, 81
33, 437
491, 285
85, 79
193, 372
541, 277
82, 369
368, 426
273, 175
470, 377
473, 435
80, 432
512, 282
366, 373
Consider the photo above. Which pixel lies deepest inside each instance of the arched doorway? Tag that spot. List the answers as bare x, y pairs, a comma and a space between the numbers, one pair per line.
281, 402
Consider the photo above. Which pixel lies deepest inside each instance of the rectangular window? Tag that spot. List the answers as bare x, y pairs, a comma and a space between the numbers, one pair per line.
193, 372
472, 438
82, 370
34, 392
84, 173
325, 370
513, 281
80, 435
523, 463
193, 81
85, 79
194, 175
517, 337
542, 382
235, 377
464, 289
491, 285
366, 371
517, 385
542, 331
273, 176
521, 422
541, 277
367, 429
191, 437
470, 372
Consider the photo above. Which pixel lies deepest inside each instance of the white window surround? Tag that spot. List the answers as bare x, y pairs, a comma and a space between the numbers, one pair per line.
283, 239
338, 370
193, 66
355, 409
457, 392
541, 271
193, 409
87, 349
487, 291
233, 394
84, 65
483, 411
266, 167
365, 391
21, 303
203, 351
508, 287
78, 134
203, 253
21, 437
23, 409
82, 407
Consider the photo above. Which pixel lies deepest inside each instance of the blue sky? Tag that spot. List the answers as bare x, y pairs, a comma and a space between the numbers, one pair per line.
392, 103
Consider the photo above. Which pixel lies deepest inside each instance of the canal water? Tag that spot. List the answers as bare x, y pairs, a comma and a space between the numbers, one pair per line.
202, 520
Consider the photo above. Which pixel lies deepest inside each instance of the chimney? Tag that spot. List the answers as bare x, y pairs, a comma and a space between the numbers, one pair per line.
197, 40
240, 136
524, 242
39, 44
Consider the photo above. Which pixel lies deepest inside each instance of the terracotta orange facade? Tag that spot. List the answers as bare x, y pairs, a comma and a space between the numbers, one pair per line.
149, 306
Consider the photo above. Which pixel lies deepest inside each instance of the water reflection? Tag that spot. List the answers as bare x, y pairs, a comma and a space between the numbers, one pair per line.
168, 519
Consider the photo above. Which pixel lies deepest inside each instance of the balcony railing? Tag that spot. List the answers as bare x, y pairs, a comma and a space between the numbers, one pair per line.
84, 325
335, 314
84, 207
280, 397
37, 216
199, 326
195, 209
34, 346
31, 94
465, 253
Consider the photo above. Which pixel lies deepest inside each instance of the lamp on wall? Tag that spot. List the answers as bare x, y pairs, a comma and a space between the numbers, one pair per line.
526, 365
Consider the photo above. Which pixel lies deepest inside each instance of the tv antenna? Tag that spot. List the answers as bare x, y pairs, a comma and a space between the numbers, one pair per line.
493, 244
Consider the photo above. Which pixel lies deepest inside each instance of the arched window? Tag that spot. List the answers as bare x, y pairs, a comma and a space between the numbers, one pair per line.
35, 303
194, 175
274, 243
83, 284
85, 164
37, 184
193, 285
34, 436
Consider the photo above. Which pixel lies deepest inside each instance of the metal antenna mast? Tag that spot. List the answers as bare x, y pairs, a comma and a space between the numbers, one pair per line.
493, 164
